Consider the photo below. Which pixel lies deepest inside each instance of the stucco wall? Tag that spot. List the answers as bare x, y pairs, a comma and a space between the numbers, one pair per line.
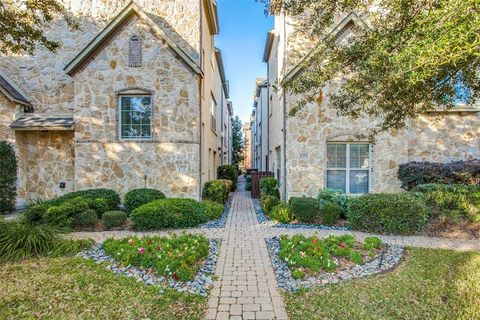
169, 162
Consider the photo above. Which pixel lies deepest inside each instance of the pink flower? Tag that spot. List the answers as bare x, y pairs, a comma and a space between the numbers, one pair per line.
141, 250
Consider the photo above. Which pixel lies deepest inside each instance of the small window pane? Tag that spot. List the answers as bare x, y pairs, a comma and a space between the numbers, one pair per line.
336, 179
336, 156
358, 181
359, 156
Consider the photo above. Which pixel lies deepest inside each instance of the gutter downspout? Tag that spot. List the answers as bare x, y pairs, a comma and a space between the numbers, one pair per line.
222, 133
200, 124
284, 178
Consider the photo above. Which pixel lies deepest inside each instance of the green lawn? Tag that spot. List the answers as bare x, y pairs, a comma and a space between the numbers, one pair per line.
72, 288
431, 284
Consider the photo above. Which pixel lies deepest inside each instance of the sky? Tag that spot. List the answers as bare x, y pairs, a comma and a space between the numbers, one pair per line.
243, 31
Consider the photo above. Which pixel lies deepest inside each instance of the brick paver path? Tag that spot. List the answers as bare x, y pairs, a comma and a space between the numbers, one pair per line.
246, 287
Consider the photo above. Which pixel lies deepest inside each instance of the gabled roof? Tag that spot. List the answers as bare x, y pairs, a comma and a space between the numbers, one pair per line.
335, 33
11, 91
114, 25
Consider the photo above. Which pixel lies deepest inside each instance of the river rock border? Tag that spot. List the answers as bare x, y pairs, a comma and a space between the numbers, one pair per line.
200, 285
222, 221
265, 221
391, 258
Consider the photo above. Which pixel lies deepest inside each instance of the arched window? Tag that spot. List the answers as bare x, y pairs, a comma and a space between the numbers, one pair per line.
135, 52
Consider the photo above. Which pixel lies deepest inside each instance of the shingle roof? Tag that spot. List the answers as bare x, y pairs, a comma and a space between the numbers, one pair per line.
12, 93
36, 122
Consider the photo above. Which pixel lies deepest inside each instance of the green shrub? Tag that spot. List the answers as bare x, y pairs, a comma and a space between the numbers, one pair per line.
228, 172
175, 257
397, 213
63, 215
87, 218
213, 209
268, 203
248, 186
216, 190
331, 213
138, 197
8, 177
372, 243
229, 184
100, 200
20, 240
113, 219
454, 199
335, 196
248, 178
269, 187
282, 212
305, 209
168, 213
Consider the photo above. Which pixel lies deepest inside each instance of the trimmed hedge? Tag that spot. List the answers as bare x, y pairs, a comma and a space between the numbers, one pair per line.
331, 213
389, 213
113, 219
87, 218
282, 212
333, 196
213, 209
305, 209
415, 173
169, 213
65, 207
138, 197
454, 199
268, 203
8, 177
216, 190
228, 172
269, 187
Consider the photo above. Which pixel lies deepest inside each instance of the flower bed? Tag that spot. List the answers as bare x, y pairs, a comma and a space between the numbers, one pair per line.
184, 263
264, 220
301, 262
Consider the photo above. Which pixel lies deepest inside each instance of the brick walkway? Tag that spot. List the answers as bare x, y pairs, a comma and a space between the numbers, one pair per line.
246, 287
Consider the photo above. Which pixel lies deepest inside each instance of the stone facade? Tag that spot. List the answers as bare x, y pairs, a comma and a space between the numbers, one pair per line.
439, 136
93, 155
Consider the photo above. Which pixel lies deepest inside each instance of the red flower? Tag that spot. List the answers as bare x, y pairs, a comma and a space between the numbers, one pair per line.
159, 248
149, 242
343, 245
175, 276
315, 240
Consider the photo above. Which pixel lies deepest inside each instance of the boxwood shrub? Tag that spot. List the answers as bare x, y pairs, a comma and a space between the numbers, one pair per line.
213, 209
87, 218
216, 190
268, 203
305, 209
282, 212
415, 173
228, 172
388, 213
169, 213
454, 199
138, 197
269, 187
331, 213
333, 196
8, 177
113, 219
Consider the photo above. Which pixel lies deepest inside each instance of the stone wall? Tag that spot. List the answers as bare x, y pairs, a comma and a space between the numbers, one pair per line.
169, 162
8, 113
45, 158
42, 75
441, 137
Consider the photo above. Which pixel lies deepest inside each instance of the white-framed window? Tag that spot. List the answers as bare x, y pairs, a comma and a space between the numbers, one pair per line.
348, 167
213, 112
135, 117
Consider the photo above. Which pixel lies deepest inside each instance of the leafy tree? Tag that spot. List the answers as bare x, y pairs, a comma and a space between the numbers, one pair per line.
22, 24
414, 56
237, 141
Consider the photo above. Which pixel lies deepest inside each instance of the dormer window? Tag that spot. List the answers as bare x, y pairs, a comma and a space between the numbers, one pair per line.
135, 52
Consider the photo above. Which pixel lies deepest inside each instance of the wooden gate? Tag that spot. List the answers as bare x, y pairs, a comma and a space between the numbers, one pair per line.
256, 177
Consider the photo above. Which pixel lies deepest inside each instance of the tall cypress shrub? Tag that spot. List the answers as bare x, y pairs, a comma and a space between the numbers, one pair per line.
8, 177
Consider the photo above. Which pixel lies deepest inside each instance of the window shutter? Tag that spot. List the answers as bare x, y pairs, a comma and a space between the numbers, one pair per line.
135, 52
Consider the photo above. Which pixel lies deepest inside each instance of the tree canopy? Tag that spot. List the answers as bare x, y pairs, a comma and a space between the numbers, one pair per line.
414, 56
237, 141
22, 26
